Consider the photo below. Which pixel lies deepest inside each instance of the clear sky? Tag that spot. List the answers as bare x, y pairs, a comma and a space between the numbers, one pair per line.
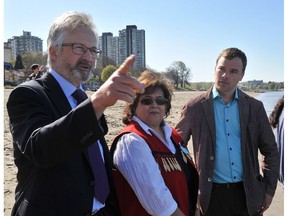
192, 31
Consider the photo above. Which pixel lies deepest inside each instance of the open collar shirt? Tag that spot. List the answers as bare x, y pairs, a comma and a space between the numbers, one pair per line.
228, 157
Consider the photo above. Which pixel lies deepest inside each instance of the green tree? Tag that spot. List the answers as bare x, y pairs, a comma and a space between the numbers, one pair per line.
105, 60
29, 58
107, 72
271, 85
12, 61
172, 74
136, 72
18, 63
179, 73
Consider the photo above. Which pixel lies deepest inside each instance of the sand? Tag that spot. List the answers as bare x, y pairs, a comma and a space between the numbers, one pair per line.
113, 115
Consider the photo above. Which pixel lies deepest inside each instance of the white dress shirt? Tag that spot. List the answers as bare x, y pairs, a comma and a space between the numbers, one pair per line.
68, 90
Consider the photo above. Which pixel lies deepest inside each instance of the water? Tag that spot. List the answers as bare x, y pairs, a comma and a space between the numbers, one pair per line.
269, 100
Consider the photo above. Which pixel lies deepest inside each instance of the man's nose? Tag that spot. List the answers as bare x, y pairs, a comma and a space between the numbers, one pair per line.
225, 74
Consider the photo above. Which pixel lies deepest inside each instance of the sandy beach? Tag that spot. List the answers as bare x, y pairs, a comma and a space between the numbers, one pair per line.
113, 115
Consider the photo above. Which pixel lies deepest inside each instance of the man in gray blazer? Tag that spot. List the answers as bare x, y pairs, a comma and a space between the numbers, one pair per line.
228, 127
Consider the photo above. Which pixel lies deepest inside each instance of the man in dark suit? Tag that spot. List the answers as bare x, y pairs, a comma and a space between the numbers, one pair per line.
36, 73
52, 134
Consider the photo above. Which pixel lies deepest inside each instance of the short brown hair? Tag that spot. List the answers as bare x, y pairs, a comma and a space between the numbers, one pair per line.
152, 81
231, 53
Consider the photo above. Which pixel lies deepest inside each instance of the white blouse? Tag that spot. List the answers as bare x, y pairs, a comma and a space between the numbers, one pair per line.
135, 161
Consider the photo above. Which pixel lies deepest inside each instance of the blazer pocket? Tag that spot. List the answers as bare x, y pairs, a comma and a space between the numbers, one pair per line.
255, 192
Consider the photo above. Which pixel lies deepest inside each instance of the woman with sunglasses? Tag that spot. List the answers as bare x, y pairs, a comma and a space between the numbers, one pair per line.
153, 173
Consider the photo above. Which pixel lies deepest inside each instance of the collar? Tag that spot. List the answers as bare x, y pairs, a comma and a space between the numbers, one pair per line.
147, 129
216, 94
66, 86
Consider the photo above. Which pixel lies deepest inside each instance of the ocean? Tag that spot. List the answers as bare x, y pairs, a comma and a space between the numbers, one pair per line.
269, 99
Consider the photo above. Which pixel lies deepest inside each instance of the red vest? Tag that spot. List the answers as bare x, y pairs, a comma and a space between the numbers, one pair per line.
171, 171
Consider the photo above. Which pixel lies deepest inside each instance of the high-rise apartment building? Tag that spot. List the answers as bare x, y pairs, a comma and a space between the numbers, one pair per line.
106, 42
130, 41
25, 43
113, 51
109, 46
7, 51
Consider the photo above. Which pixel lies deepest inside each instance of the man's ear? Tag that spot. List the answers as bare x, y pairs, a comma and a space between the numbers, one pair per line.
53, 52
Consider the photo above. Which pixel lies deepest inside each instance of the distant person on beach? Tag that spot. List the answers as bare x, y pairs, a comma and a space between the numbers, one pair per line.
64, 164
227, 128
154, 174
277, 122
36, 73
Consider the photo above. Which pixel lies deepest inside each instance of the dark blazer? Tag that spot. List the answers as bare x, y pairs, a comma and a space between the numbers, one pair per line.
197, 120
50, 141
35, 76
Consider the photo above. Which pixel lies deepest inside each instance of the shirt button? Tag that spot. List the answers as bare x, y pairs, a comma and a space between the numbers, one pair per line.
92, 183
209, 179
211, 157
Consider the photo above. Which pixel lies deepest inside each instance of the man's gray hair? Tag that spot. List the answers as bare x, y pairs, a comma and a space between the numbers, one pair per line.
68, 22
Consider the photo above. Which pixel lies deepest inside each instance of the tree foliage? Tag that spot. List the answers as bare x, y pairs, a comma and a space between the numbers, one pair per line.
179, 73
172, 74
30, 58
107, 72
105, 60
136, 72
18, 63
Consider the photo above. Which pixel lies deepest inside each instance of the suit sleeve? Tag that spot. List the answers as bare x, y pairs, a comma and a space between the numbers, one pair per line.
268, 148
45, 137
184, 125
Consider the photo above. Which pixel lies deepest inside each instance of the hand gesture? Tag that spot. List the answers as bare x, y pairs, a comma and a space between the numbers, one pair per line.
119, 86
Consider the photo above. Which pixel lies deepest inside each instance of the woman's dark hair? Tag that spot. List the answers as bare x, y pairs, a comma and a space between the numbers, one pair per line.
274, 116
152, 81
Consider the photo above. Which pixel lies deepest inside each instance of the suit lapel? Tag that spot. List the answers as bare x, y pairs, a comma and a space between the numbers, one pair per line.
244, 108
56, 94
59, 100
209, 115
244, 115
62, 105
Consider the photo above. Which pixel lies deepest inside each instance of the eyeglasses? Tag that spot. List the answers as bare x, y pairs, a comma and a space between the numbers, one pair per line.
80, 49
150, 100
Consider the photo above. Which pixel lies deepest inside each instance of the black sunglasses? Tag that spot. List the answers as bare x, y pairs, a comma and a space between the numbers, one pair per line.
150, 100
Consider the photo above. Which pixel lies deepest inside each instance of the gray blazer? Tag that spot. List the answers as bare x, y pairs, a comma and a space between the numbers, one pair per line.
197, 120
